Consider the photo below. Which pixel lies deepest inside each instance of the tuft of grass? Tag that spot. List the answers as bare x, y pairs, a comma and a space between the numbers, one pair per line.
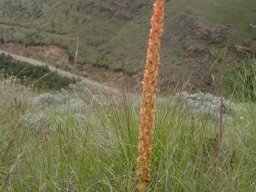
241, 82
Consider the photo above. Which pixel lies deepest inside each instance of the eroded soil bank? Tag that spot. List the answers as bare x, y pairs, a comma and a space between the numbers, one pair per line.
58, 57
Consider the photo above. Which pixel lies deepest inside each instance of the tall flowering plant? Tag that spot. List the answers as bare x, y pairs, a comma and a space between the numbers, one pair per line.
149, 97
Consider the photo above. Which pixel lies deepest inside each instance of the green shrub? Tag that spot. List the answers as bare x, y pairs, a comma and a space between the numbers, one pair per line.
40, 77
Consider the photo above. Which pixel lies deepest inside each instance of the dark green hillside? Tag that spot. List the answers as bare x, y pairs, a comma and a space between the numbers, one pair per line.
40, 77
114, 33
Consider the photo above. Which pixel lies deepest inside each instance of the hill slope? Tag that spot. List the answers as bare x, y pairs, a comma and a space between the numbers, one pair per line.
114, 33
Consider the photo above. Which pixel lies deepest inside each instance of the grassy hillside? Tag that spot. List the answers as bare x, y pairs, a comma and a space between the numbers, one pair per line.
235, 13
113, 33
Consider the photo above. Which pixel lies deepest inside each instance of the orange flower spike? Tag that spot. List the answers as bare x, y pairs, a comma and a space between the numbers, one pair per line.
149, 97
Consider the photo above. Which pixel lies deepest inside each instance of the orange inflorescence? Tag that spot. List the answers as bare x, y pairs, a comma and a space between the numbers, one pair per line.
149, 97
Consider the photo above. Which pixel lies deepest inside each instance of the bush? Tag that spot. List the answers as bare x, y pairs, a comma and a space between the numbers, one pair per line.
40, 77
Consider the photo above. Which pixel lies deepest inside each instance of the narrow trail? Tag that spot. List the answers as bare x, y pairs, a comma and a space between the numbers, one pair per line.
62, 72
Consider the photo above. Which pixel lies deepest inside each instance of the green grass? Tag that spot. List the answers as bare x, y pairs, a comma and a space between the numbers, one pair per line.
97, 150
241, 82
235, 13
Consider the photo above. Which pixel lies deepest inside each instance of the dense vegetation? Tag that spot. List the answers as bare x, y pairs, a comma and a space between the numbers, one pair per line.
56, 147
113, 33
39, 77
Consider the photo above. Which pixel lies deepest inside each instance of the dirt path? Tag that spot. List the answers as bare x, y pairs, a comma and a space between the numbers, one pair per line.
61, 72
